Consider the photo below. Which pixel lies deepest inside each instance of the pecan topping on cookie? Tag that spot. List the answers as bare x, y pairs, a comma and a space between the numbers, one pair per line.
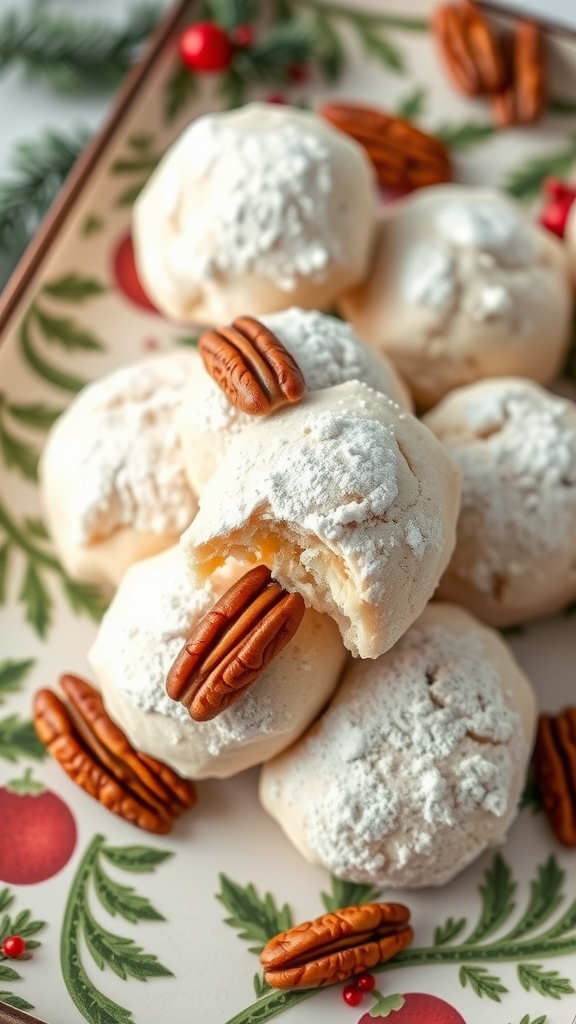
251, 366
525, 98
555, 770
97, 756
336, 946
233, 644
470, 49
402, 155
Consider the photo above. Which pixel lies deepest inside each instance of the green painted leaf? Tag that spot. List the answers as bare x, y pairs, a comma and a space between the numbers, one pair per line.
36, 600
94, 1006
9, 974
37, 415
92, 225
413, 103
537, 1020
482, 982
260, 986
6, 899
12, 675
385, 1005
180, 88
120, 954
547, 983
546, 895
328, 50
18, 454
561, 105
4, 567
74, 288
463, 136
18, 739
45, 370
525, 182
449, 931
35, 527
136, 858
188, 340
67, 333
84, 598
564, 925
122, 899
16, 1001
24, 924
497, 900
379, 46
348, 894
129, 195
255, 918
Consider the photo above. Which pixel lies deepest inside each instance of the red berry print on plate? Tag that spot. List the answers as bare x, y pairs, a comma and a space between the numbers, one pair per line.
126, 276
38, 833
13, 946
420, 1008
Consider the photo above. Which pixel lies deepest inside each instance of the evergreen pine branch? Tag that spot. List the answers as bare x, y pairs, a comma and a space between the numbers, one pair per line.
269, 60
39, 169
71, 53
231, 13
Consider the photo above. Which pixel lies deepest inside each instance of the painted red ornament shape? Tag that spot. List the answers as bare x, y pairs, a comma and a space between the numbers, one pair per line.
126, 276
420, 1008
38, 835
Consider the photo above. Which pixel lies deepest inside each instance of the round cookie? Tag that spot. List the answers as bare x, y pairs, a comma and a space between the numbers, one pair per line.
417, 765
463, 286
151, 614
348, 499
112, 478
515, 554
253, 210
327, 351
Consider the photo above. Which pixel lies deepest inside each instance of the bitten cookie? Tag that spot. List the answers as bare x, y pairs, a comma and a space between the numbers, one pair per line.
254, 210
147, 623
418, 763
463, 286
348, 499
327, 351
515, 555
112, 478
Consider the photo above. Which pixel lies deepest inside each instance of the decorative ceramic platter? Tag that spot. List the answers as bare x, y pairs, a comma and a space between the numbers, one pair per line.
104, 907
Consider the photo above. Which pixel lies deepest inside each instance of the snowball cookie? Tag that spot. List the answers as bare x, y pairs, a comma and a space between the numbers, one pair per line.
515, 555
112, 476
463, 287
418, 763
348, 499
253, 210
327, 351
150, 616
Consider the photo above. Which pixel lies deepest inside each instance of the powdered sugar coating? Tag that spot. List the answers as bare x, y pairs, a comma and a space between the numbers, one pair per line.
151, 615
328, 352
333, 483
516, 446
249, 210
418, 762
121, 452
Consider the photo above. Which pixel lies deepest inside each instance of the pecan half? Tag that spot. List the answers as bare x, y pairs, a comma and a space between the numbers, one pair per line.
336, 946
233, 644
525, 98
97, 756
555, 771
403, 156
470, 49
251, 366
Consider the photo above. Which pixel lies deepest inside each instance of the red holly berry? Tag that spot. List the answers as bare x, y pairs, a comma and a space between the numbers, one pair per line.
554, 214
14, 946
352, 995
298, 73
205, 46
126, 276
366, 982
242, 36
38, 832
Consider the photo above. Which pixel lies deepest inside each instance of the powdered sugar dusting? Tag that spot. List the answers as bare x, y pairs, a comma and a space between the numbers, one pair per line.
273, 217
123, 452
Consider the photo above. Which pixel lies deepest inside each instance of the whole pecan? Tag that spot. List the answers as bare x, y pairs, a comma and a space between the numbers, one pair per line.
403, 156
97, 756
251, 366
525, 98
336, 946
470, 48
233, 644
555, 770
